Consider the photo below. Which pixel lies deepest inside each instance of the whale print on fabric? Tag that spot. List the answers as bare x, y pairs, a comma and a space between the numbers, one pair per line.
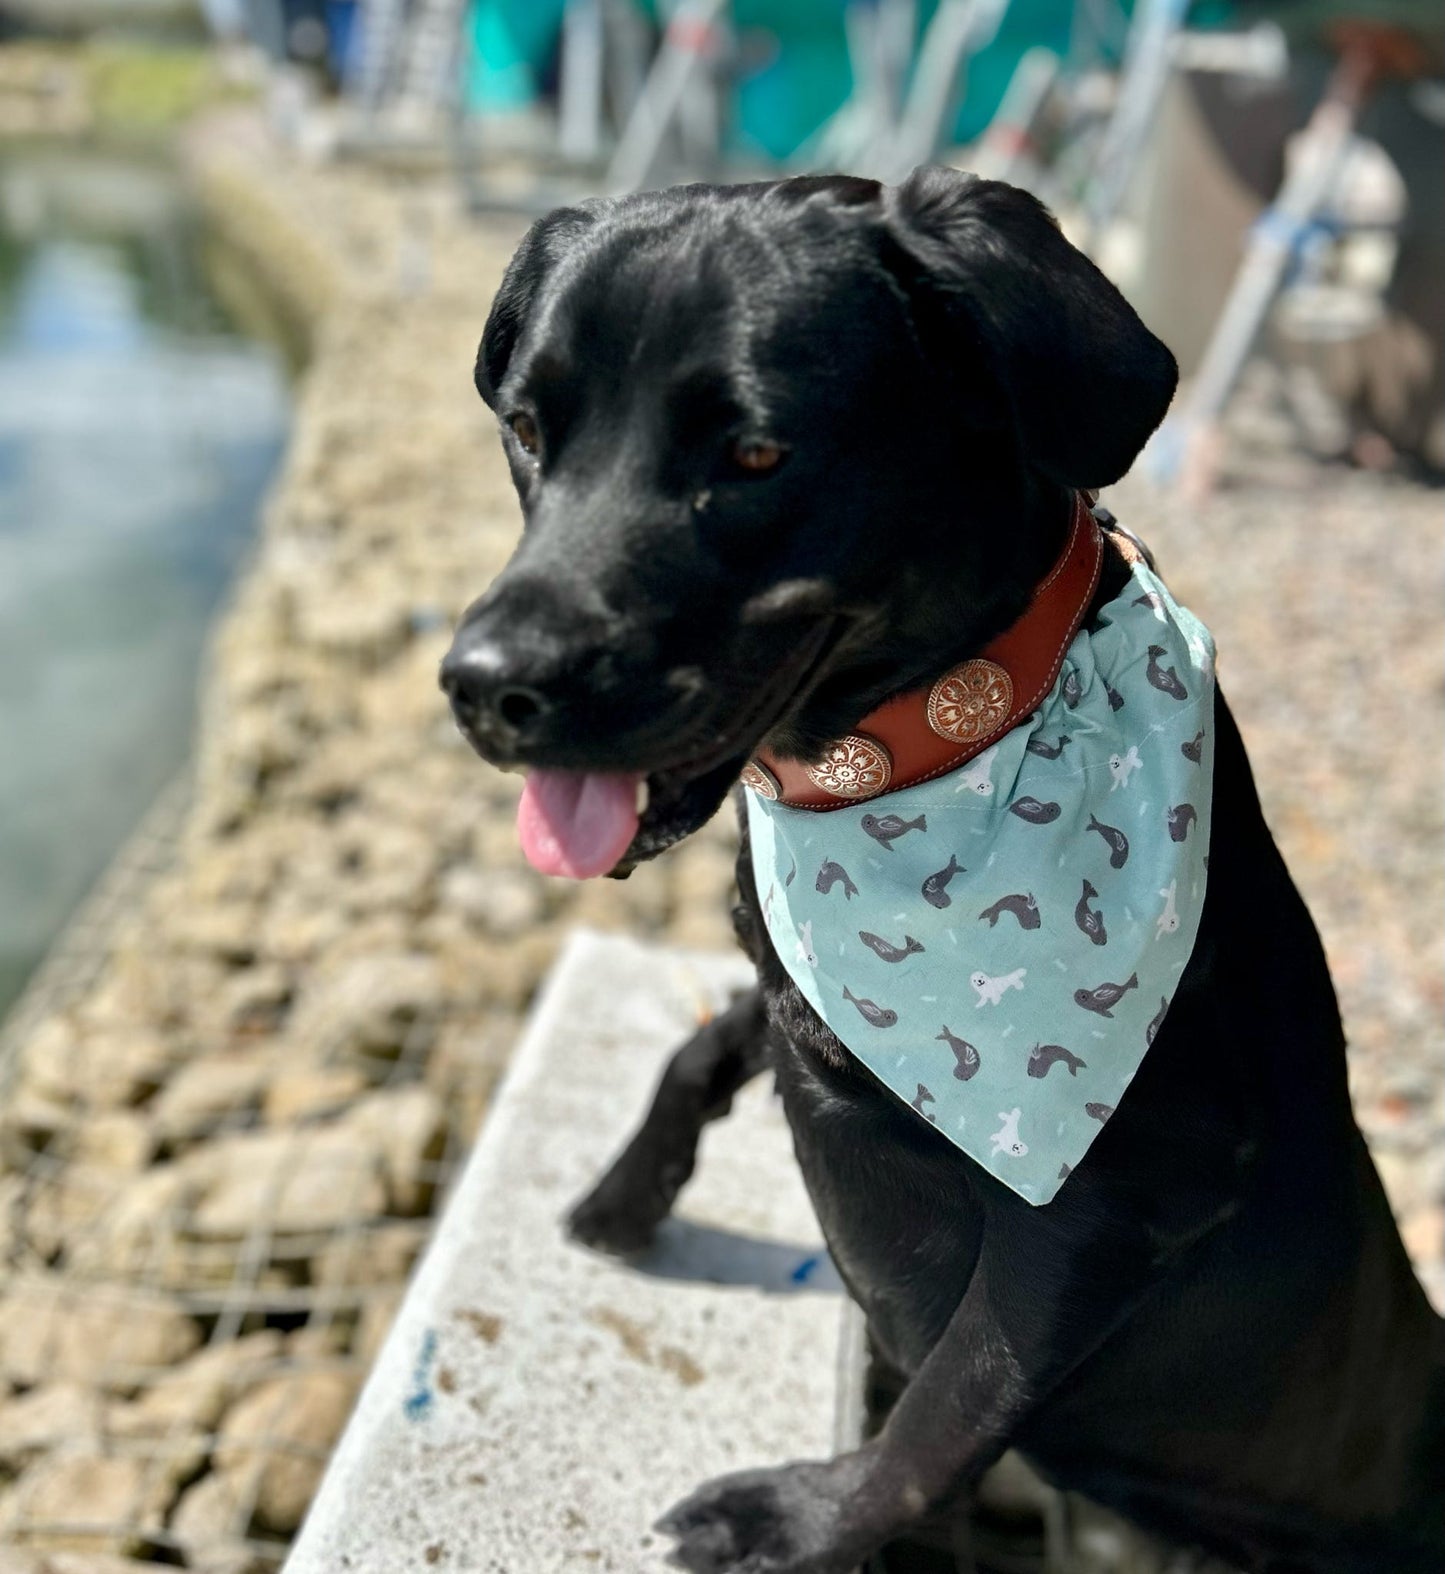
1035, 813
885, 829
1179, 819
871, 1012
1022, 906
830, 875
1105, 997
1165, 679
1156, 1022
964, 1054
999, 963
1090, 921
935, 887
1114, 839
1044, 1057
1046, 750
890, 953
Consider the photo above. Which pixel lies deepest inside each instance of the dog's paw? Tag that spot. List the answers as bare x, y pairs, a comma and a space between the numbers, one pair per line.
784, 1521
618, 1216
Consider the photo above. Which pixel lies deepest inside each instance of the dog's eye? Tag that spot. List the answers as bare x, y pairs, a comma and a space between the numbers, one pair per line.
755, 456
524, 429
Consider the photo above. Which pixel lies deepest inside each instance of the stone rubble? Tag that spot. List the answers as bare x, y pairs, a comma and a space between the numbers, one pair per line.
55, 1329
217, 1160
274, 1441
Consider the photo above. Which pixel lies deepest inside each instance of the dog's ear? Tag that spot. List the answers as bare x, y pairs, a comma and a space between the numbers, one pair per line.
997, 290
541, 247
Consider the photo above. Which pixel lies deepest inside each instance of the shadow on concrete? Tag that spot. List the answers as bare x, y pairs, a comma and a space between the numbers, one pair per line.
710, 1255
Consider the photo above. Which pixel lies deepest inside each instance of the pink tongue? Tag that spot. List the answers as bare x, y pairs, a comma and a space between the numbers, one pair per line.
576, 823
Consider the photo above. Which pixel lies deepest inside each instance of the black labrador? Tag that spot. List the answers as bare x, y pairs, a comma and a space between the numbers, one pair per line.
784, 450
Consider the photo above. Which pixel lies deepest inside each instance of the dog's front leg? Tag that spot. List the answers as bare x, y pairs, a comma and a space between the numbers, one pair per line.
1044, 1295
622, 1211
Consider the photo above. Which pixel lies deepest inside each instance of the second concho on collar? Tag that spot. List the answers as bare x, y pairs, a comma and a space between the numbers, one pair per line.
856, 766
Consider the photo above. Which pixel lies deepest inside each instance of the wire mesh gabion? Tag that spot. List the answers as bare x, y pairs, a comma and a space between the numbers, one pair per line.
199, 1267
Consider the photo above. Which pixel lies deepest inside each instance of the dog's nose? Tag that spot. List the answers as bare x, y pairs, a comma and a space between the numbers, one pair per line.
491, 696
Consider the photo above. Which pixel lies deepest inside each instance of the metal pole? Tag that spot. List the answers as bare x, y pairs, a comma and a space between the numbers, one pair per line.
1141, 88
1008, 151
959, 29
579, 128
1187, 446
688, 45
381, 28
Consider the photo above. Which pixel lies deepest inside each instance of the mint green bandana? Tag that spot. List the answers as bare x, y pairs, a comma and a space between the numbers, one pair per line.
1000, 945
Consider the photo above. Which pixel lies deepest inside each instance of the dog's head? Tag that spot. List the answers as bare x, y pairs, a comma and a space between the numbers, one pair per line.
782, 450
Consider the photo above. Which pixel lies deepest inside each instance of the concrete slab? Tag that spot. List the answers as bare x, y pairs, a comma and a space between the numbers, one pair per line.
536, 1407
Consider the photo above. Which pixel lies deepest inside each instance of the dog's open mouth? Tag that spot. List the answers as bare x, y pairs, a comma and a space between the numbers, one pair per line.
579, 824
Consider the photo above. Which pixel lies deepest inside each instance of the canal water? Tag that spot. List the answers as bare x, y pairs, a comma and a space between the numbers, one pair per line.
139, 429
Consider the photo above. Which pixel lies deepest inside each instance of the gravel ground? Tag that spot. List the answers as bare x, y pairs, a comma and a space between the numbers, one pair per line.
339, 957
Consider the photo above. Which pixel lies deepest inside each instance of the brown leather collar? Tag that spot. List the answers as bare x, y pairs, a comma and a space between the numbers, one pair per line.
924, 733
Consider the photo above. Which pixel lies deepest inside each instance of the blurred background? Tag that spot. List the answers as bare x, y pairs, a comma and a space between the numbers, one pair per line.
266, 939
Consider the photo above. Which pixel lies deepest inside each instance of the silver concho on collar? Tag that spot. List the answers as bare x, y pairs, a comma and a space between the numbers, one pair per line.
855, 766
970, 702
762, 781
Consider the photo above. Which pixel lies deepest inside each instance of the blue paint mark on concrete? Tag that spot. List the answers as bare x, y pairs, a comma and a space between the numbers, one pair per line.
417, 1404
806, 1269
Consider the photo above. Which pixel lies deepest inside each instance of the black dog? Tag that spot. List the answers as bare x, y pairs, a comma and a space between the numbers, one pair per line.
785, 450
